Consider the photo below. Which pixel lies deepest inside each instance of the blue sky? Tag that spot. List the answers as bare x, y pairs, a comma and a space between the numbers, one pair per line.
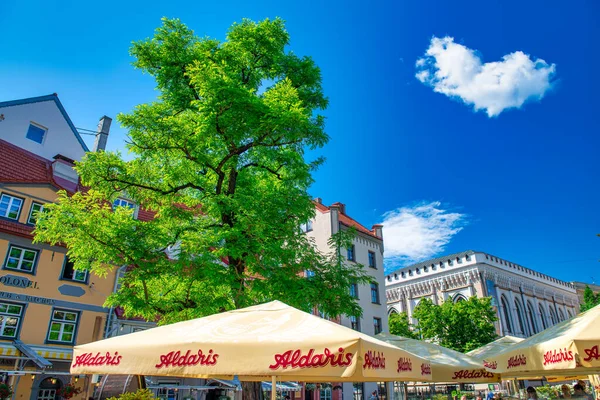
522, 185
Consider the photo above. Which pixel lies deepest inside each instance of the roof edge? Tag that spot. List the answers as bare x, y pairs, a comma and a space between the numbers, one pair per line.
49, 97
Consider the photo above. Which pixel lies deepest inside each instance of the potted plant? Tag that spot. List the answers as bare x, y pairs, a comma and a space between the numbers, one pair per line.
5, 391
68, 391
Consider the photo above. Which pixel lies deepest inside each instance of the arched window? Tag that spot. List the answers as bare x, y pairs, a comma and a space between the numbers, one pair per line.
543, 316
506, 311
459, 297
393, 311
520, 316
553, 319
569, 314
48, 388
534, 327
561, 314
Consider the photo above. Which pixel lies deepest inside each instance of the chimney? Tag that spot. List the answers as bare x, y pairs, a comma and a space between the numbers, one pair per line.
340, 206
102, 134
377, 229
318, 200
334, 211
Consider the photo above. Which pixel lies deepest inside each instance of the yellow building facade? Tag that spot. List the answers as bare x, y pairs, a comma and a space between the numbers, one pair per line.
46, 307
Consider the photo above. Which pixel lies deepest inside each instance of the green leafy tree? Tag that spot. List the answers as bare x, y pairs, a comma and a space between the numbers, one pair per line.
399, 325
590, 299
462, 326
219, 158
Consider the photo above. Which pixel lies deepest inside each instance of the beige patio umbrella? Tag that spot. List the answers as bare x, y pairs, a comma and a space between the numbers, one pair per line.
447, 365
495, 347
568, 348
265, 342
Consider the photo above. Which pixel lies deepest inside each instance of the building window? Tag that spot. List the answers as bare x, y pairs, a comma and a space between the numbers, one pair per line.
543, 317
355, 323
468, 258
354, 290
506, 311
10, 206
374, 293
325, 394
36, 133
10, 320
449, 263
520, 317
359, 389
377, 327
531, 318
21, 259
553, 319
125, 203
70, 273
306, 227
372, 262
351, 254
63, 326
36, 208
458, 260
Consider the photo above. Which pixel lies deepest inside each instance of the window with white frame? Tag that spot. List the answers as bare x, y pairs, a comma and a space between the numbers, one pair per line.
70, 273
36, 208
36, 133
123, 203
20, 259
10, 319
325, 394
10, 206
62, 326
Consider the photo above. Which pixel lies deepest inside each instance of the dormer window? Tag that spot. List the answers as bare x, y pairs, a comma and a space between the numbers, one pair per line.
36, 133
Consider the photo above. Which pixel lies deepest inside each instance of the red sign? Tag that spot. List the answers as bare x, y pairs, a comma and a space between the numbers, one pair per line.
425, 369
374, 360
295, 359
472, 374
404, 364
592, 353
516, 361
176, 359
490, 364
89, 359
555, 357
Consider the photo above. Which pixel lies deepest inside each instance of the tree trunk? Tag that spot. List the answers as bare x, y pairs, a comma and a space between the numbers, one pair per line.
252, 391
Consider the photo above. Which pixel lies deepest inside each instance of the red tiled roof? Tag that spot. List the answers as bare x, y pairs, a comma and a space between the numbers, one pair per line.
26, 167
345, 219
16, 228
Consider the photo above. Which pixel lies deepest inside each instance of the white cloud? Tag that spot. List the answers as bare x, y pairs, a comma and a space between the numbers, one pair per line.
413, 234
458, 72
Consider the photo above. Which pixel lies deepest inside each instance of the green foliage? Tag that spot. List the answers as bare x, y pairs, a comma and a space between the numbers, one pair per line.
462, 326
590, 300
5, 391
548, 392
140, 394
400, 326
219, 158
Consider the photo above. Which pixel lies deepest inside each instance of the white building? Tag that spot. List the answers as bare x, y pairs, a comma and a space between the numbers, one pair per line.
367, 249
526, 301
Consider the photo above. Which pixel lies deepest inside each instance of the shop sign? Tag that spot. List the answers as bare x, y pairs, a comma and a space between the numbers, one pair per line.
18, 281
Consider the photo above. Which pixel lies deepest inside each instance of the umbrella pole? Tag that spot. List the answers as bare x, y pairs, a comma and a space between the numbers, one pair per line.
273, 387
141, 382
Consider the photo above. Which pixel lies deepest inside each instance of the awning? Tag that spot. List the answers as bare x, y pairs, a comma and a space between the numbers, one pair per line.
32, 354
282, 386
